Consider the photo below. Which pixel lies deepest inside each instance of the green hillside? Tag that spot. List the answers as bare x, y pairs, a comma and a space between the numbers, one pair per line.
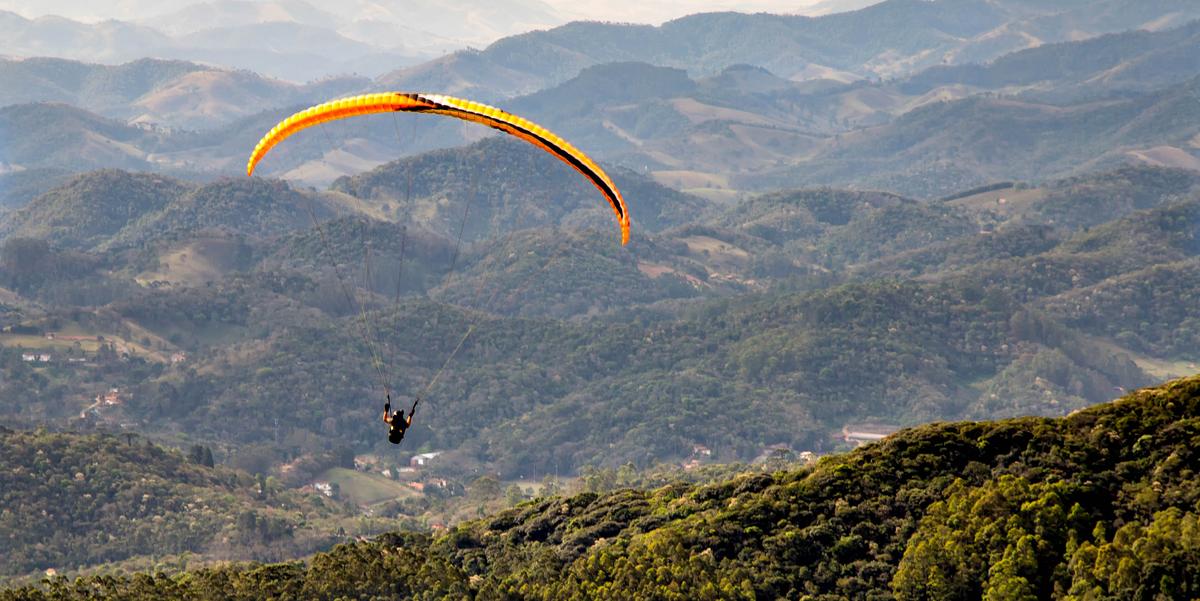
248, 206
400, 258
1095, 198
948, 146
77, 501
520, 392
1141, 310
563, 273
18, 188
499, 185
100, 87
48, 135
91, 208
835, 227
1100, 504
112, 208
789, 313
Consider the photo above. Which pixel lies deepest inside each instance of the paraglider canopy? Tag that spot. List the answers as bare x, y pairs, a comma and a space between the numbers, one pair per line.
453, 107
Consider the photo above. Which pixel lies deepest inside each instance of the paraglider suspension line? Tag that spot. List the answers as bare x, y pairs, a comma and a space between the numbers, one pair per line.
375, 359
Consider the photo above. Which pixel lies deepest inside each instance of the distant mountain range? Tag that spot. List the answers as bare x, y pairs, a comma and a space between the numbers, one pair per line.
285, 49
713, 116
290, 39
174, 94
421, 22
295, 40
1107, 101
826, 7
887, 40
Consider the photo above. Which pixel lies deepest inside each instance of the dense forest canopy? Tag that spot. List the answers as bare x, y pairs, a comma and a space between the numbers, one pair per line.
81, 500
1099, 504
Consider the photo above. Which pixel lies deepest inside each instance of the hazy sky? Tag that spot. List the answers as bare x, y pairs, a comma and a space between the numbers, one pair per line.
642, 11
657, 11
422, 27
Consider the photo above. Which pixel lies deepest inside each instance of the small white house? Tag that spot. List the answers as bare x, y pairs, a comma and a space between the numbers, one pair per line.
423, 459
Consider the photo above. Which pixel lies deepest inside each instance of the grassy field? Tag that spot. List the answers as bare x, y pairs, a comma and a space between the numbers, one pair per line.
68, 336
1164, 369
187, 265
41, 343
1007, 203
366, 489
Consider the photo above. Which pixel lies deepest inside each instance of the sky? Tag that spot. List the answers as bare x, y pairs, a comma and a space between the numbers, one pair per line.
639, 11
657, 11
350, 29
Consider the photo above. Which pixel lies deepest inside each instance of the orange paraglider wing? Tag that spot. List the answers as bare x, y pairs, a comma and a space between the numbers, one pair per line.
454, 107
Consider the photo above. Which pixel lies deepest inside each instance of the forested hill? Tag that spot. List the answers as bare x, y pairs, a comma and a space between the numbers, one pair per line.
791, 314
1101, 504
74, 501
502, 185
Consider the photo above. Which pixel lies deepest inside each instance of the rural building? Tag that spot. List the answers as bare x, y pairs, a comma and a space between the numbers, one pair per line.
423, 459
112, 397
779, 451
863, 433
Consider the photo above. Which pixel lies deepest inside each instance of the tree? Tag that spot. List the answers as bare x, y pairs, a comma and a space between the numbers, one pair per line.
550, 486
513, 494
484, 488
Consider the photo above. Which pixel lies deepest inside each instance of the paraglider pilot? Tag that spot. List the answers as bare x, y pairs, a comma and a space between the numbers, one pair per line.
397, 423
